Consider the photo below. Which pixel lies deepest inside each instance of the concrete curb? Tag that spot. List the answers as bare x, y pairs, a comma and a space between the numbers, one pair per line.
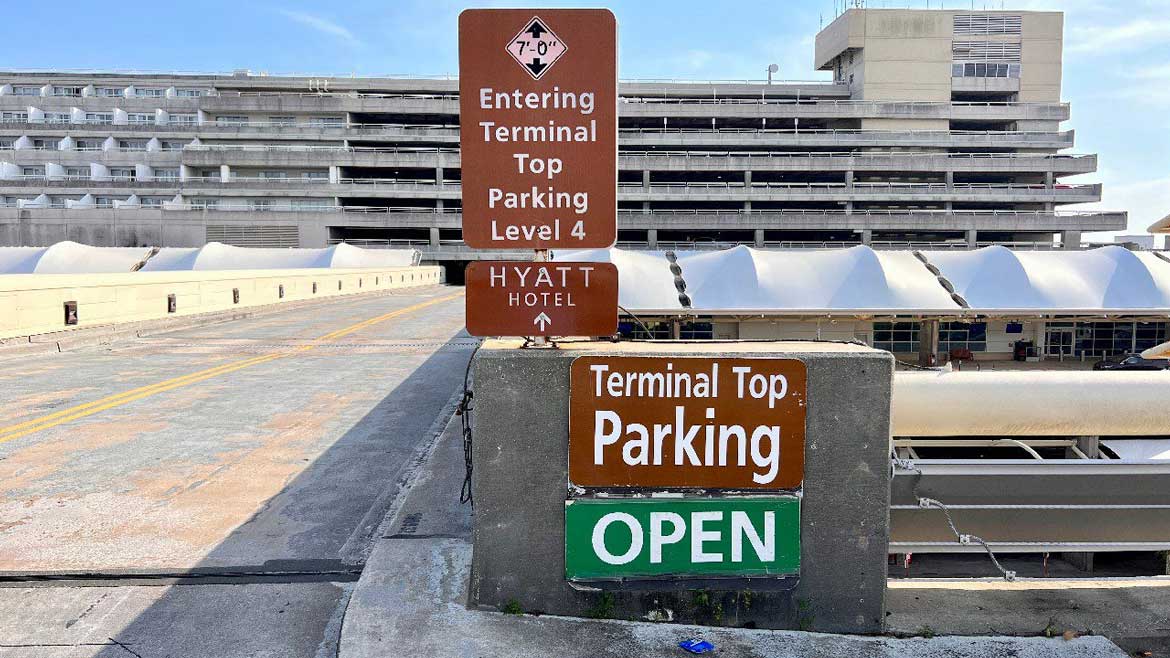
412, 597
61, 341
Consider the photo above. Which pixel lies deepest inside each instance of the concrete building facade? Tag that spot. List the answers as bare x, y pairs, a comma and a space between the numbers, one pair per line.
940, 128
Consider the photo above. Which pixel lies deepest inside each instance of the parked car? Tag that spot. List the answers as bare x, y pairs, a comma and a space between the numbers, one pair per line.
1132, 362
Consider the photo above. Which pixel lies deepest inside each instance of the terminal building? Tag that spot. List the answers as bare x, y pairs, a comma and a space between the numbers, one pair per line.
938, 129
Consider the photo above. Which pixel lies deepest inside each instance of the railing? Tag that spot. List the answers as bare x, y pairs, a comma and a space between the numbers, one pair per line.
865, 186
842, 102
801, 155
426, 183
872, 211
808, 155
676, 245
351, 75
454, 128
798, 212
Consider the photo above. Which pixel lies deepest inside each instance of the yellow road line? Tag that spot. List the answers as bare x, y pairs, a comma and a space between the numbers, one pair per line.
25, 428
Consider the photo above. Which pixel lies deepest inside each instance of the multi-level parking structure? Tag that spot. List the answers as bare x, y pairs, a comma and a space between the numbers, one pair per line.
176, 160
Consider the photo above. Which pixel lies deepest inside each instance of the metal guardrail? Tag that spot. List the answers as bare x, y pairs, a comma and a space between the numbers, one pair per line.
454, 128
798, 212
800, 155
1032, 505
425, 183
351, 75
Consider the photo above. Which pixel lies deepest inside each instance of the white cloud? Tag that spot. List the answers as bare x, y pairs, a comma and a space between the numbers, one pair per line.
322, 25
1128, 36
1152, 73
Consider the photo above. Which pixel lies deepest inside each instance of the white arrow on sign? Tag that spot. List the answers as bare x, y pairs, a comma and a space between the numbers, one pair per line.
543, 320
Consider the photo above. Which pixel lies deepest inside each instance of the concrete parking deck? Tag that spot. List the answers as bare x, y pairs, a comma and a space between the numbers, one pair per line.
271, 445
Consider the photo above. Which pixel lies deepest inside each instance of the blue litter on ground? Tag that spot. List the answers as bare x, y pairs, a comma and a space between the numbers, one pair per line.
695, 645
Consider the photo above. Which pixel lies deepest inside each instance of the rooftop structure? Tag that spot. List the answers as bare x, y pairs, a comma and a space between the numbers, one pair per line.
941, 128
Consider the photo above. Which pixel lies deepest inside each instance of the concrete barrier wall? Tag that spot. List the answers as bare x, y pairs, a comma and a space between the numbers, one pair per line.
33, 304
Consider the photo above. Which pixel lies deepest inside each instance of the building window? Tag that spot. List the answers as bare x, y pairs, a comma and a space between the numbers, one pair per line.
104, 118
140, 117
45, 143
899, 337
104, 201
231, 121
171, 145
56, 117
110, 92
314, 175
326, 122
698, 330
122, 173
150, 202
183, 119
32, 172
985, 70
962, 335
282, 121
188, 93
6, 143
147, 92
132, 144
262, 205
204, 204
72, 92
87, 145
274, 175
26, 91
77, 173
1105, 339
14, 117
169, 174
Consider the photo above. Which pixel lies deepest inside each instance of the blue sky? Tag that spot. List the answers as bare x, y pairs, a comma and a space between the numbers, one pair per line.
1116, 74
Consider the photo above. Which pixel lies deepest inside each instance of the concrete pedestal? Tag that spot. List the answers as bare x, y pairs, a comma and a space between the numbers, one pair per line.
520, 482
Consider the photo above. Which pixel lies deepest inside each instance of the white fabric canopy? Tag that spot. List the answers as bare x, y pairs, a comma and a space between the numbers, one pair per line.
1136, 449
217, 256
1104, 278
644, 277
859, 279
70, 258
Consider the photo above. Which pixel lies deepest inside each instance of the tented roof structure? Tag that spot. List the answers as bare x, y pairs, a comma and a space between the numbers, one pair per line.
644, 277
74, 258
70, 257
1107, 278
859, 280
217, 256
856, 278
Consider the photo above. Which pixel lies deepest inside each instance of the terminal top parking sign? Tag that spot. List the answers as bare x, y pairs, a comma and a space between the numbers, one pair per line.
538, 128
687, 422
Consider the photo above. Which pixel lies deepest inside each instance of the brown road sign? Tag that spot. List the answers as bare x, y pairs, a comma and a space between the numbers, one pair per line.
709, 423
538, 127
525, 298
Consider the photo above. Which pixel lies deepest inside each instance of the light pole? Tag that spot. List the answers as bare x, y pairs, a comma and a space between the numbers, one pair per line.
772, 68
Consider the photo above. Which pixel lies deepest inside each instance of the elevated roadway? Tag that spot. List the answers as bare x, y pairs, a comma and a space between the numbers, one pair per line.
268, 445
